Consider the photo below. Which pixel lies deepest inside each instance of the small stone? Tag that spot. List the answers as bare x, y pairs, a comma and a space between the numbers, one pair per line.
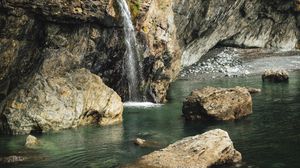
253, 90
145, 143
31, 142
139, 141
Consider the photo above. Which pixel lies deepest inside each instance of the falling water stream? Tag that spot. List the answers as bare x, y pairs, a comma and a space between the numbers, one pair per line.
131, 62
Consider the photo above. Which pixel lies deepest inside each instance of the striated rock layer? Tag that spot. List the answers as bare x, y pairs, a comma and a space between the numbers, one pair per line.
217, 104
201, 151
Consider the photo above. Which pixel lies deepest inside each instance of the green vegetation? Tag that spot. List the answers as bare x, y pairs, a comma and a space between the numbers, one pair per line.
134, 6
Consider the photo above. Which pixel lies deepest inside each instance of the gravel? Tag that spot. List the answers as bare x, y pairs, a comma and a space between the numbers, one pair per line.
223, 63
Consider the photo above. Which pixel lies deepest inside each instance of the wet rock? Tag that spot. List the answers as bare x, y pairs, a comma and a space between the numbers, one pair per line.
60, 102
210, 148
31, 141
275, 76
217, 104
253, 90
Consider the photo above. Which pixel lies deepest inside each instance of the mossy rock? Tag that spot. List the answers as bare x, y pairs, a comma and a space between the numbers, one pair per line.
134, 6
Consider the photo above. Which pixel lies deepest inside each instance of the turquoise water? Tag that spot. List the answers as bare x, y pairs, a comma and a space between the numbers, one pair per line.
270, 137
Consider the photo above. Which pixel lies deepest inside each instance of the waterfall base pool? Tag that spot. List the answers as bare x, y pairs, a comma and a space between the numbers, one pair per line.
269, 138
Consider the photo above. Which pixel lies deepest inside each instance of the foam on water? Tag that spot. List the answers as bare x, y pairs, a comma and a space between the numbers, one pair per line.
141, 104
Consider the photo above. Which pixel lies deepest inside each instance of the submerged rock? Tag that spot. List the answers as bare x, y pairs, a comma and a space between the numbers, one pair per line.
21, 157
55, 103
275, 76
145, 143
31, 141
13, 159
217, 103
211, 148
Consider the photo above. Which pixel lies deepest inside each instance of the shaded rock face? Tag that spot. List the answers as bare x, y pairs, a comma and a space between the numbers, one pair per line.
20, 39
31, 31
218, 104
275, 76
203, 24
65, 11
157, 31
201, 151
297, 5
55, 103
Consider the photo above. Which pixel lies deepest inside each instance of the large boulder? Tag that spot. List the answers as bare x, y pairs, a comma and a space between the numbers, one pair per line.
55, 103
217, 103
275, 76
211, 148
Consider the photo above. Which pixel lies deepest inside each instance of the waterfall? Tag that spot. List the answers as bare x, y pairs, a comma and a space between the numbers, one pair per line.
132, 55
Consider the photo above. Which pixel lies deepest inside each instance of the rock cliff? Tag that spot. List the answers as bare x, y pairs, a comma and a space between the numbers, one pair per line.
171, 34
257, 23
44, 49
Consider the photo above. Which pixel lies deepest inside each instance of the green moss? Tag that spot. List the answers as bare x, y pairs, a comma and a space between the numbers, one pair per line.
135, 6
